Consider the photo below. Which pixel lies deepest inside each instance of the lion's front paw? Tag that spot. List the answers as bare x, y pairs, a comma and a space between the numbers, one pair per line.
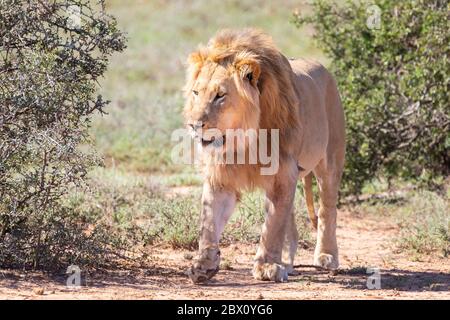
270, 271
326, 261
199, 275
206, 266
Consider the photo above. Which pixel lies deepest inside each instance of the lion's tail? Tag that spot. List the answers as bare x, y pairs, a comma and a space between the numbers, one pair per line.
307, 189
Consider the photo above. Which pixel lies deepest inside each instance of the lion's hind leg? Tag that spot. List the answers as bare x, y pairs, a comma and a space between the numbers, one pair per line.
326, 251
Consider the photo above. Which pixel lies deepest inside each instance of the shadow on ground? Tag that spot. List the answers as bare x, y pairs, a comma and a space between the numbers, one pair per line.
354, 278
390, 279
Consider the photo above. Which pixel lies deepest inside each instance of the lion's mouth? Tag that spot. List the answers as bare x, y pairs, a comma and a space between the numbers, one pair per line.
215, 142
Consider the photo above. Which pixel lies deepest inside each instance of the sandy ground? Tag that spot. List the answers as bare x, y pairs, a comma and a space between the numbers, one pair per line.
365, 241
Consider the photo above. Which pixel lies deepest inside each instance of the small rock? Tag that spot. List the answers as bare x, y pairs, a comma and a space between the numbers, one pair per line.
334, 272
188, 256
226, 265
260, 296
39, 291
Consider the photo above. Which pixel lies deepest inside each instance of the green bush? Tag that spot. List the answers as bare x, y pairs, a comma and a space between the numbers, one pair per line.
52, 54
394, 82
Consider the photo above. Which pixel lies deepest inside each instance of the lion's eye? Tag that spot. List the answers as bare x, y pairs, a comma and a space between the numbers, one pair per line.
195, 92
219, 95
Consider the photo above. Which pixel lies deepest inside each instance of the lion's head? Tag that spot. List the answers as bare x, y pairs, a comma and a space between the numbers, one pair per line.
240, 80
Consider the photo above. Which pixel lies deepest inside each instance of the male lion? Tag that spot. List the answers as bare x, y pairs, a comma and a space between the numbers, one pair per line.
240, 80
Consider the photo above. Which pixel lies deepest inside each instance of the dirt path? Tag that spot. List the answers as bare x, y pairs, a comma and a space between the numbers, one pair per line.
365, 241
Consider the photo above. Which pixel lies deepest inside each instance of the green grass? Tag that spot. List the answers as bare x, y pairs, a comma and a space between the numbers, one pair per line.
174, 221
425, 224
423, 218
187, 178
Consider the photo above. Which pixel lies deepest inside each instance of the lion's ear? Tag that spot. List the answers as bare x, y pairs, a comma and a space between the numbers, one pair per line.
196, 58
195, 62
249, 70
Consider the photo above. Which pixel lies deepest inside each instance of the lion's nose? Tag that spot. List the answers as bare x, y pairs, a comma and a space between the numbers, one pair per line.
196, 125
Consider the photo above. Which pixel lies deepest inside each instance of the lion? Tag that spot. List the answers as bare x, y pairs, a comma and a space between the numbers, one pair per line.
240, 80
